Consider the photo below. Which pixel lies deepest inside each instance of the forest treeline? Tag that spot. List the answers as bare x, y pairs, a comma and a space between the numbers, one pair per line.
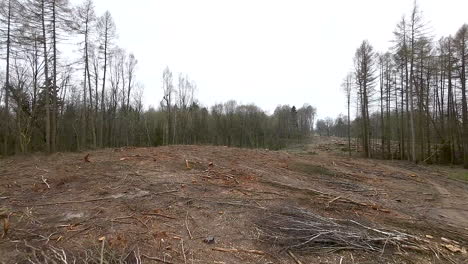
410, 101
68, 86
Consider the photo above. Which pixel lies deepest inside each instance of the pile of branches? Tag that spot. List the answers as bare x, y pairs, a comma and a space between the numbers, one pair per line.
297, 229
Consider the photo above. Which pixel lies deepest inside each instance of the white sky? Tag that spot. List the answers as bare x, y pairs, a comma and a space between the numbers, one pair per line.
267, 52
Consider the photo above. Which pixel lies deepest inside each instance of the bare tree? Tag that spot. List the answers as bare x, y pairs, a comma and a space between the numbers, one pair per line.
85, 21
130, 67
168, 90
364, 61
347, 86
107, 32
46, 75
416, 27
461, 44
7, 18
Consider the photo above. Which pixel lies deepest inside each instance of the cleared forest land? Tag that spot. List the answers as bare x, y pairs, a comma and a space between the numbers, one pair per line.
207, 204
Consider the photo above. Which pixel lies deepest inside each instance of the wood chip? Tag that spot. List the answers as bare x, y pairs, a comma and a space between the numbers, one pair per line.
455, 249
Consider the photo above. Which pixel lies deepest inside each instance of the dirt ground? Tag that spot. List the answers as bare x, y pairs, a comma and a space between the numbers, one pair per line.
200, 204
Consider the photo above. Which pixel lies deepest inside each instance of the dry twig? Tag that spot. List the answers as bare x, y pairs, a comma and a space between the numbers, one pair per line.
157, 259
162, 215
183, 250
44, 180
294, 257
235, 250
187, 227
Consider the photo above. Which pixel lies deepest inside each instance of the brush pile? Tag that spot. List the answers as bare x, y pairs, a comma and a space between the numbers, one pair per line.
300, 230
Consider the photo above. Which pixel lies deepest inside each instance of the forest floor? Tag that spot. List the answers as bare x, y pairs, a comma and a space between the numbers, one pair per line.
202, 204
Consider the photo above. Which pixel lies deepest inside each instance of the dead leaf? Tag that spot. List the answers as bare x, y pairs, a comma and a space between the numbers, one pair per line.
6, 226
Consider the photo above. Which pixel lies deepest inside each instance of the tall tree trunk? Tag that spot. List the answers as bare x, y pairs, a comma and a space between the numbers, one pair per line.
101, 130
7, 84
402, 123
463, 56
450, 104
411, 95
382, 126
47, 81
349, 116
53, 128
88, 79
84, 114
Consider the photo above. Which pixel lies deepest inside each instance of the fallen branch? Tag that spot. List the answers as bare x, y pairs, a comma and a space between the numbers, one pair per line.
235, 203
159, 193
79, 232
157, 259
347, 200
235, 250
158, 214
334, 199
143, 223
183, 250
123, 217
294, 257
103, 240
186, 226
253, 251
44, 180
44, 170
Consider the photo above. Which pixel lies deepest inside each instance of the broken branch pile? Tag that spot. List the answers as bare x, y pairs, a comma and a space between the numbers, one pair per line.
300, 230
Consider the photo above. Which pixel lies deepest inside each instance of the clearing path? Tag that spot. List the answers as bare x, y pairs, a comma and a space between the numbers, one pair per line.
204, 204
453, 205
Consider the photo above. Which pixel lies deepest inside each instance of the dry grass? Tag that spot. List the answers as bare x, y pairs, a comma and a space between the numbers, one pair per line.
459, 175
96, 254
310, 169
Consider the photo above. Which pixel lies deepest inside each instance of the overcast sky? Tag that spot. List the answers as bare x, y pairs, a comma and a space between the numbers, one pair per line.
267, 52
